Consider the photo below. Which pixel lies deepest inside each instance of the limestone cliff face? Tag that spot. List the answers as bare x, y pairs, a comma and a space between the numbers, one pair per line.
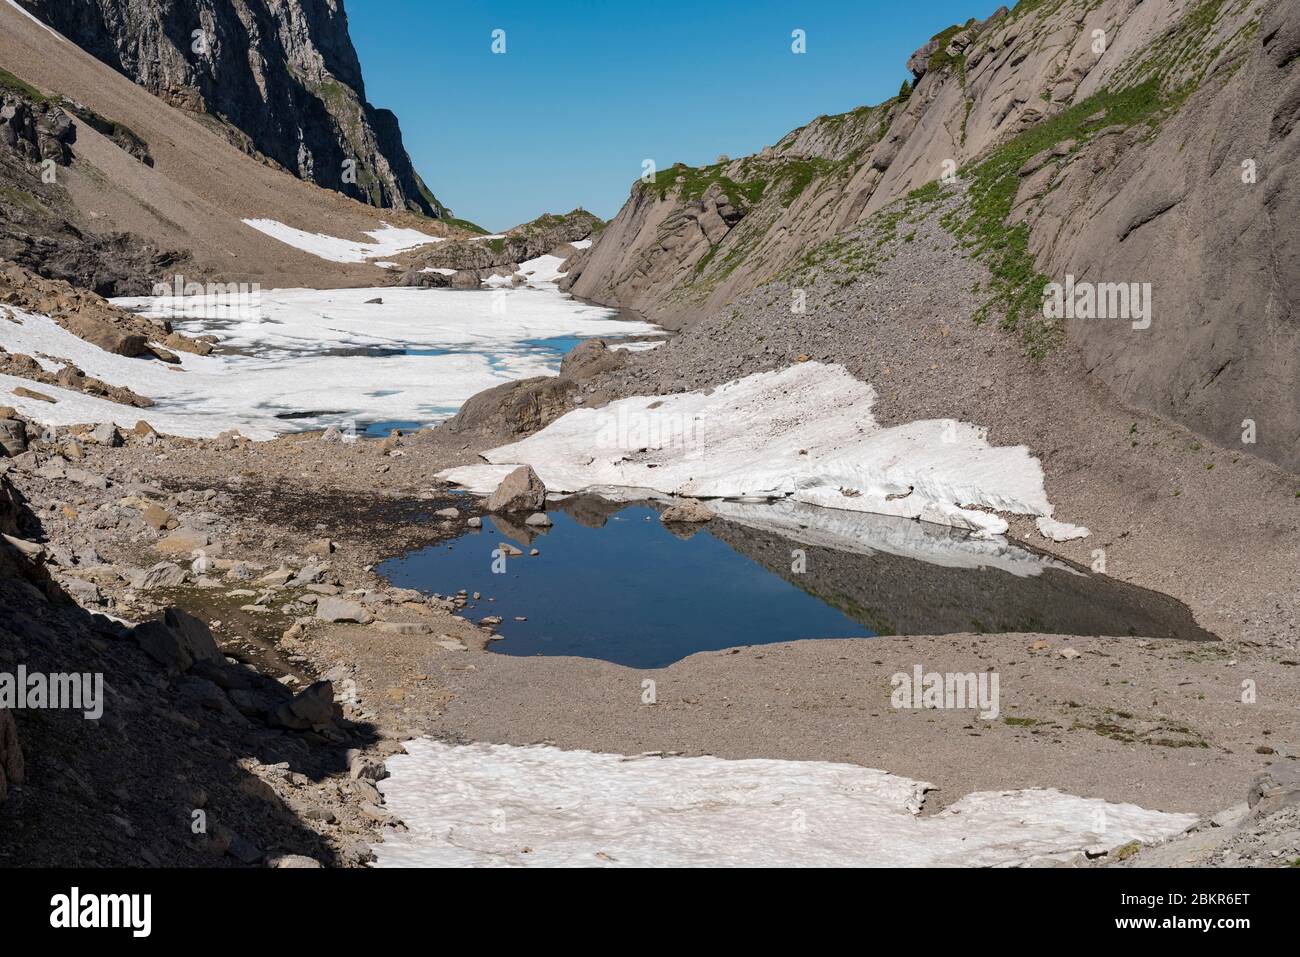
1143, 111
283, 75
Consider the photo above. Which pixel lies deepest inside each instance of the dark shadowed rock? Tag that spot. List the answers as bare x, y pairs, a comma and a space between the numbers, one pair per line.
178, 641
313, 709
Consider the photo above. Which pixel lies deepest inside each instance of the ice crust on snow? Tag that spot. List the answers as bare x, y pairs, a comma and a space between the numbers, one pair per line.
805, 433
388, 241
483, 804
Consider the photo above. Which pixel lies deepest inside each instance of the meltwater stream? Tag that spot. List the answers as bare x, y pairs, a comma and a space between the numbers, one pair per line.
610, 581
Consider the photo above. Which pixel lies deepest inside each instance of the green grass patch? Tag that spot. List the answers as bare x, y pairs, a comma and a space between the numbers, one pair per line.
692, 182
466, 225
1015, 288
14, 85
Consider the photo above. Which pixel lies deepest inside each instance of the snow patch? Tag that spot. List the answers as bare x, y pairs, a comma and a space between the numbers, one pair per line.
1060, 531
484, 804
581, 244
805, 433
388, 241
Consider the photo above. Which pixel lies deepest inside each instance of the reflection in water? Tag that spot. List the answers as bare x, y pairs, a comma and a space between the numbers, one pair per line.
612, 582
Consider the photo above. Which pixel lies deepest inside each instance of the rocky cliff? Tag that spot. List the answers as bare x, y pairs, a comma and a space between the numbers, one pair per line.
1121, 141
281, 75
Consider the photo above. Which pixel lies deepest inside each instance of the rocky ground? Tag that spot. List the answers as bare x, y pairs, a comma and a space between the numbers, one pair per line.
273, 545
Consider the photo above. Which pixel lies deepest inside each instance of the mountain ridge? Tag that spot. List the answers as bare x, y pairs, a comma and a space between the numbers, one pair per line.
281, 76
1090, 133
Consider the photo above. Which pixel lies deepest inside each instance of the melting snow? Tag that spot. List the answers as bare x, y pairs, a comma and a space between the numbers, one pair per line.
388, 241
805, 433
484, 804
307, 351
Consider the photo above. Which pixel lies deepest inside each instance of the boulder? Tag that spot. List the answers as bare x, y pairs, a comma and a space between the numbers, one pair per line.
162, 575
157, 517
590, 357
106, 434
107, 336
13, 437
538, 520
321, 548
313, 709
687, 512
1274, 789
520, 491
178, 641
183, 541
329, 608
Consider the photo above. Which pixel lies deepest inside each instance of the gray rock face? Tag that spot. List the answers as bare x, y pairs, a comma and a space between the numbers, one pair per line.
1115, 205
524, 242
283, 73
38, 231
520, 491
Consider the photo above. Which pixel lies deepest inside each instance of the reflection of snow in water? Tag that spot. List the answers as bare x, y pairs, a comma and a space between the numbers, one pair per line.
498, 805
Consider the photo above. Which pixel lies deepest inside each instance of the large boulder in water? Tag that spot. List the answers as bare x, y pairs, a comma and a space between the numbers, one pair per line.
520, 491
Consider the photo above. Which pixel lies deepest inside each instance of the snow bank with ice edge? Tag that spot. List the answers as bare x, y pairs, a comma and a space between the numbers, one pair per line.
322, 351
500, 805
805, 433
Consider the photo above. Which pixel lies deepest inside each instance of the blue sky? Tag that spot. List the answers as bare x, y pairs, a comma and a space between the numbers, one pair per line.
588, 89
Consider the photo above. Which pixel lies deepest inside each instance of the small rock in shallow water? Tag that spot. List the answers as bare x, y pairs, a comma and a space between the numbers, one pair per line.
538, 520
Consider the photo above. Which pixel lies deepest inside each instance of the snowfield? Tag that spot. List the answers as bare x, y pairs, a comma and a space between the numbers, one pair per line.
325, 357
388, 241
505, 806
805, 433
